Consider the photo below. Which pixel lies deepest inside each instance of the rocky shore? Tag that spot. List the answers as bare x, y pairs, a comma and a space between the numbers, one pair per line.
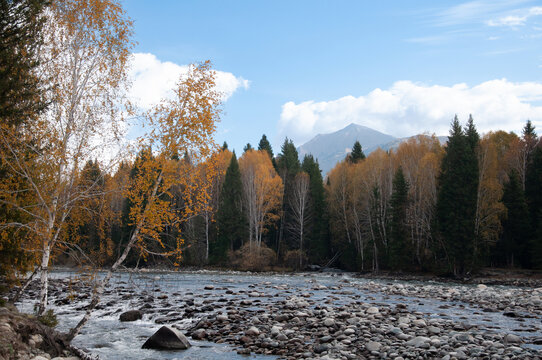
25, 338
334, 321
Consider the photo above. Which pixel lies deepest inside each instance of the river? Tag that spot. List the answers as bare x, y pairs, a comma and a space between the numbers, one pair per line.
109, 338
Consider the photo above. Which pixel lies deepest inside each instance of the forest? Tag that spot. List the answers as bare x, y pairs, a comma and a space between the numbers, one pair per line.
473, 202
73, 191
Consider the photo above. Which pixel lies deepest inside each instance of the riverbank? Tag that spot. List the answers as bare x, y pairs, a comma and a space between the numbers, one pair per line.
309, 315
23, 337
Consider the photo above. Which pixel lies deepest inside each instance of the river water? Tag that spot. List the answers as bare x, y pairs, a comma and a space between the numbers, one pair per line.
107, 337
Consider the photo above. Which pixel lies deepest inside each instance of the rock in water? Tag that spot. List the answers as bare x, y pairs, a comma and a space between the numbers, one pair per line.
131, 315
167, 338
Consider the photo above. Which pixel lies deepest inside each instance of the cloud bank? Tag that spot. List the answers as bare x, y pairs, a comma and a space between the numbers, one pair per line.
153, 80
408, 108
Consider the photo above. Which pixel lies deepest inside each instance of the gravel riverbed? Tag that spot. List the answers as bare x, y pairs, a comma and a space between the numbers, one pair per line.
311, 315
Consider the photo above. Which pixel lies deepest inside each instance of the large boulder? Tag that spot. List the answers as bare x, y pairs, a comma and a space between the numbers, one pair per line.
167, 338
131, 315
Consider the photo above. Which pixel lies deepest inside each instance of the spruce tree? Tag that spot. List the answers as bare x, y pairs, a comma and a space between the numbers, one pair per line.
456, 200
247, 147
265, 145
533, 193
318, 237
516, 227
400, 256
357, 153
20, 37
288, 166
231, 222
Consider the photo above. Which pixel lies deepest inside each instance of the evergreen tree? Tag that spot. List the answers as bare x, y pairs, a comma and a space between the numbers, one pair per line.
516, 227
357, 153
533, 193
473, 138
247, 147
231, 222
400, 256
318, 237
529, 133
288, 166
21, 101
456, 199
265, 145
225, 146
20, 38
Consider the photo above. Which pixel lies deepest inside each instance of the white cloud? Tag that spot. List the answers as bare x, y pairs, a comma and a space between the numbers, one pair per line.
409, 108
473, 11
518, 19
153, 80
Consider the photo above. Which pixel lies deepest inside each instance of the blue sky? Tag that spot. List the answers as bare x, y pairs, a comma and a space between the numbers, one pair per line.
299, 68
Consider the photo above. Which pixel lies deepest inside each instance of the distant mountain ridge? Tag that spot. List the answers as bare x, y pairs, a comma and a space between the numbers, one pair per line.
331, 148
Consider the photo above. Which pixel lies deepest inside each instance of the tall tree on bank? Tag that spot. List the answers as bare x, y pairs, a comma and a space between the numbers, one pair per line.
533, 193
456, 201
516, 227
288, 166
317, 236
84, 55
262, 193
21, 102
299, 204
183, 124
231, 221
400, 252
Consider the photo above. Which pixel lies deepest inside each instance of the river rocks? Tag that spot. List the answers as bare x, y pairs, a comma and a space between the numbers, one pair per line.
481, 287
373, 346
351, 318
131, 315
418, 341
372, 310
167, 338
512, 339
199, 334
252, 331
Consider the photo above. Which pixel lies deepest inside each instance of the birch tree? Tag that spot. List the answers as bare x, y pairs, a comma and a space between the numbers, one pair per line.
183, 124
262, 192
83, 67
299, 203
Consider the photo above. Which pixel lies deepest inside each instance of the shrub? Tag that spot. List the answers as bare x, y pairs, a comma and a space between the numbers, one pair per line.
48, 319
292, 259
252, 257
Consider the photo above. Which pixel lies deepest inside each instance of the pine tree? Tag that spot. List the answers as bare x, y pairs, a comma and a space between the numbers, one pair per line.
231, 222
288, 166
533, 193
247, 147
357, 153
225, 146
516, 227
318, 238
20, 38
456, 200
473, 138
400, 250
21, 101
265, 145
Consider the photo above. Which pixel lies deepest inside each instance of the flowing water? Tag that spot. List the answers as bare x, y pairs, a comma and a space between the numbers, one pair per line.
109, 338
